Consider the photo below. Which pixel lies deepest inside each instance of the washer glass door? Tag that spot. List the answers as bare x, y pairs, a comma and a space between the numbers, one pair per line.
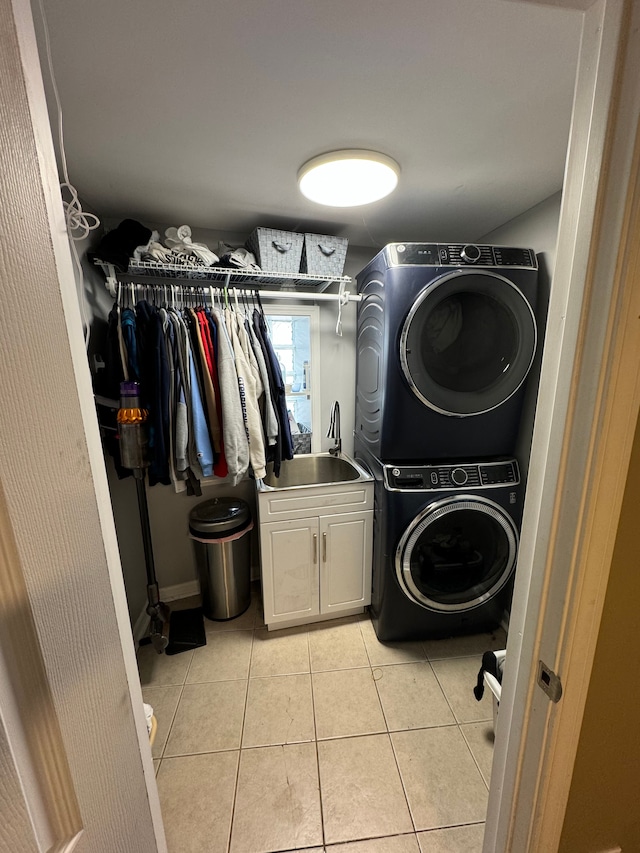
468, 342
458, 553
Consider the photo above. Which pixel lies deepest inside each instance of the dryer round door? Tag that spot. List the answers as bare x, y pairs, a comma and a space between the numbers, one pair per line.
457, 553
468, 343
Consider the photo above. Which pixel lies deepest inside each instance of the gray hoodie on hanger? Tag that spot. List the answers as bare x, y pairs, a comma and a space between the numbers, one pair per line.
236, 444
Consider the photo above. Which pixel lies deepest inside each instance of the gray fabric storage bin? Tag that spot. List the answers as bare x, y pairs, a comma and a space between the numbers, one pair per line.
323, 255
276, 251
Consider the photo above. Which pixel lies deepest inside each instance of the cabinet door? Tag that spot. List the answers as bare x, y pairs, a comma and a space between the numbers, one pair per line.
345, 562
290, 583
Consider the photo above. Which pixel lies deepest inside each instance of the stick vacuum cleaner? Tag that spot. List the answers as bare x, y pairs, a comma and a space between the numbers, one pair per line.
133, 455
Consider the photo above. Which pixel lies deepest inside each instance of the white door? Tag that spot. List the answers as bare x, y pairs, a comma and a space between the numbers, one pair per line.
345, 567
70, 699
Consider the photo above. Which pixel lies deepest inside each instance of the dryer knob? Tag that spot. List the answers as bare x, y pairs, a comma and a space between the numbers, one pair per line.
459, 476
470, 253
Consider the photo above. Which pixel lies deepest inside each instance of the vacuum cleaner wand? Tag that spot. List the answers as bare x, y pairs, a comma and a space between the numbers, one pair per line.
133, 455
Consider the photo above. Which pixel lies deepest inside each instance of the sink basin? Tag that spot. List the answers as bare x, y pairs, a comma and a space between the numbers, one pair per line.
313, 470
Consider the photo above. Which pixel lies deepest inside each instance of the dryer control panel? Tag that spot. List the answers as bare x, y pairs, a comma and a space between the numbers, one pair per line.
459, 255
428, 478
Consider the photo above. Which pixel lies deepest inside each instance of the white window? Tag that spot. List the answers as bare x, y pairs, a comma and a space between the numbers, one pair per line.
295, 338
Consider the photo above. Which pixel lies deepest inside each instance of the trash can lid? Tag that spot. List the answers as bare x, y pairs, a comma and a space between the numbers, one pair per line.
219, 515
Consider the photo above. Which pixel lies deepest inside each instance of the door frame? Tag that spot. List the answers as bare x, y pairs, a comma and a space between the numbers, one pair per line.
587, 411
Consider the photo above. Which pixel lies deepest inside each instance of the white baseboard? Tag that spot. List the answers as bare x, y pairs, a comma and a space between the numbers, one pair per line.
179, 590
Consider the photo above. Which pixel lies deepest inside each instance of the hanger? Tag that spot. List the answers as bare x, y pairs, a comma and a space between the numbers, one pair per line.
343, 298
121, 347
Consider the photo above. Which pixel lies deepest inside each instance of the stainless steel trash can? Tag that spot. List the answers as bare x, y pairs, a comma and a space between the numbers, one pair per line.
220, 532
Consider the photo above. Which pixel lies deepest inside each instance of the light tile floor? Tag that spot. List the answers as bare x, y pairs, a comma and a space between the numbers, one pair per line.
320, 739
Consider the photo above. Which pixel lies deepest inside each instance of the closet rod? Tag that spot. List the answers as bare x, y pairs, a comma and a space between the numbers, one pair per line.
343, 298
347, 296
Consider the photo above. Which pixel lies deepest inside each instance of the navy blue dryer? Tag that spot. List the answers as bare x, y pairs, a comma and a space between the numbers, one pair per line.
446, 338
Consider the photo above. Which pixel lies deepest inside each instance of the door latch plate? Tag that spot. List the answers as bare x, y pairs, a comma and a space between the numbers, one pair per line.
549, 681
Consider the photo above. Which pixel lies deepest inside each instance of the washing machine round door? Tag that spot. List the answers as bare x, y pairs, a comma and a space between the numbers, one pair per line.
457, 553
468, 343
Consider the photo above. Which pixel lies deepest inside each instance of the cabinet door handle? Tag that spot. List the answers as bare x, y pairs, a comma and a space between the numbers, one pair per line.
324, 547
315, 547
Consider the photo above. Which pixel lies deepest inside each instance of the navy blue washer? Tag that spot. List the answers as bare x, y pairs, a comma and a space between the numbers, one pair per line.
444, 555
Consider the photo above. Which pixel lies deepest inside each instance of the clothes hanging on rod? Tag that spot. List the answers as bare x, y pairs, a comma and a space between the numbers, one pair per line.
209, 378
343, 297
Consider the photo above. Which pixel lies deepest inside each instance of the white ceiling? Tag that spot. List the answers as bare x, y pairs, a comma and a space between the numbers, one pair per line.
202, 112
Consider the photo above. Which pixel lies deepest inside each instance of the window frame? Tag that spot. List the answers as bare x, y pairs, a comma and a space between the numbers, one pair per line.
281, 309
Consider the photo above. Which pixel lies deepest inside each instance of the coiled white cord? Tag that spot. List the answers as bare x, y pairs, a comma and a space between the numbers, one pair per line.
78, 221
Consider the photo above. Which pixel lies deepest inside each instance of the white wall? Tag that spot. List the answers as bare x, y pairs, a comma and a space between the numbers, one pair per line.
537, 229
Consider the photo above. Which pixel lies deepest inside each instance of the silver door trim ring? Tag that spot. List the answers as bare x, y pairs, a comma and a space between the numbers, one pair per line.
432, 513
427, 292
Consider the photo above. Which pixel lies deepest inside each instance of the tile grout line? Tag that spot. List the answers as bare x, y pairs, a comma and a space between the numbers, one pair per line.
458, 723
404, 788
441, 686
374, 734
315, 740
173, 719
175, 713
444, 693
384, 713
472, 753
244, 715
373, 678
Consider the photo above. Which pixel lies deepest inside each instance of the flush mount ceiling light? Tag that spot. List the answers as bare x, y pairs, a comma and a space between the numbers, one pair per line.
348, 178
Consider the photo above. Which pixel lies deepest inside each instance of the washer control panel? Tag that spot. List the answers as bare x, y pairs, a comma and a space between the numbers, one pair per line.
427, 478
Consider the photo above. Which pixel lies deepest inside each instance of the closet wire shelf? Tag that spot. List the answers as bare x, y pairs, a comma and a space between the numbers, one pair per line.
234, 276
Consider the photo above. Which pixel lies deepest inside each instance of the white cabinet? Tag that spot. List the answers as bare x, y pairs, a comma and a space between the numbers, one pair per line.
290, 574
316, 565
345, 561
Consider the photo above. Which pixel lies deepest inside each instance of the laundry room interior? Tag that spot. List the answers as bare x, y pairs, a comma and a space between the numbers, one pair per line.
192, 125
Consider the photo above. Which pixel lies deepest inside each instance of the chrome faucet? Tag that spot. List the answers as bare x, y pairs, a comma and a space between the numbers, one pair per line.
334, 429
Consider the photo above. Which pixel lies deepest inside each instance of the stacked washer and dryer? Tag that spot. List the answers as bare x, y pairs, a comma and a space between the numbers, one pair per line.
446, 339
